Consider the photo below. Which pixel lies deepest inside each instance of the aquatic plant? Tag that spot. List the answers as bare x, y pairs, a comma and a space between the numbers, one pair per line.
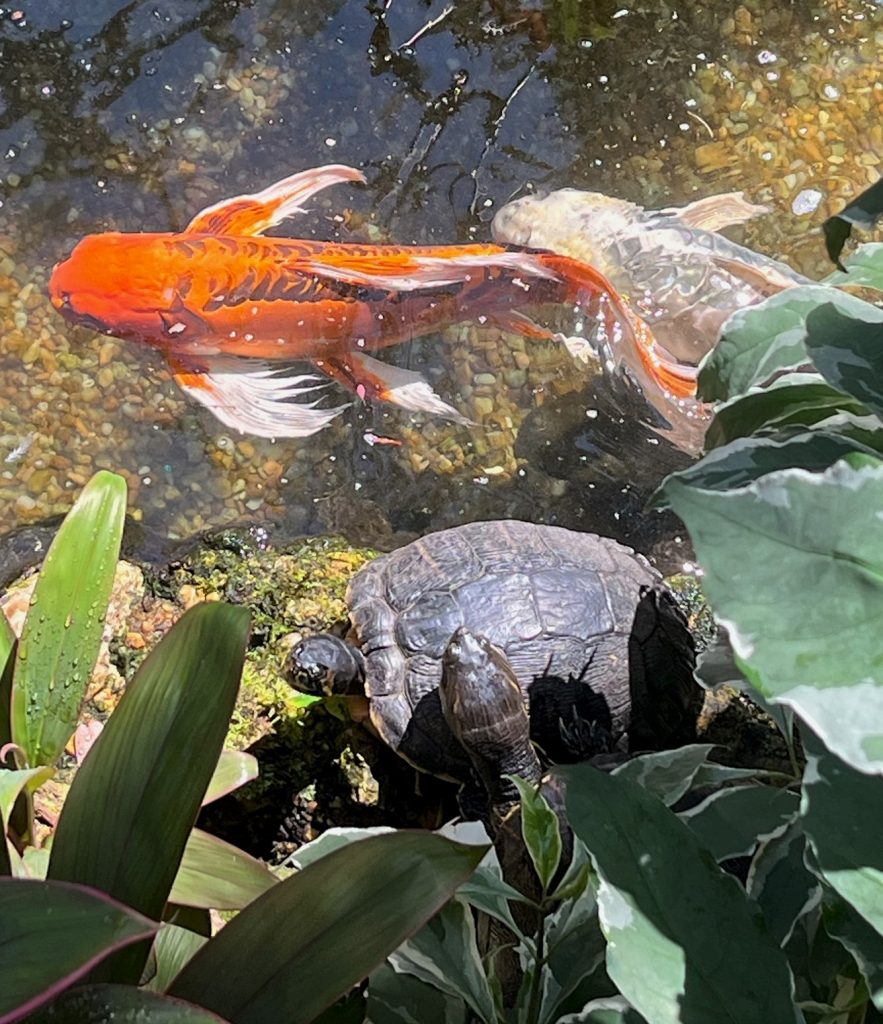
111, 913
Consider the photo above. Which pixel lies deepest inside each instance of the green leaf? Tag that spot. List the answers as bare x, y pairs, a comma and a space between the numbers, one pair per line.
667, 774
731, 822
444, 954
8, 645
848, 352
849, 928
235, 768
215, 875
173, 947
797, 400
62, 632
864, 211
486, 891
51, 934
837, 800
541, 832
330, 840
120, 1004
794, 569
661, 901
365, 899
759, 342
747, 458
403, 999
575, 949
862, 268
780, 883
614, 1010
12, 784
133, 801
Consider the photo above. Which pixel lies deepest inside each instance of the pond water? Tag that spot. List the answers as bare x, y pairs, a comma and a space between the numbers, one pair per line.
132, 116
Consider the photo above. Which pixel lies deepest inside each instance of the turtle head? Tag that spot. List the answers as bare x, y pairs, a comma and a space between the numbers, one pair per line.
484, 705
324, 665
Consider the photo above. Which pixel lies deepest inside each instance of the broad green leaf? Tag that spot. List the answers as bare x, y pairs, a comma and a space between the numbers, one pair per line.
667, 774
365, 899
794, 569
780, 883
51, 934
747, 458
848, 352
662, 901
797, 400
120, 1004
234, 769
173, 947
614, 1010
135, 798
865, 943
863, 268
402, 999
762, 341
444, 954
541, 832
731, 822
837, 802
215, 875
62, 632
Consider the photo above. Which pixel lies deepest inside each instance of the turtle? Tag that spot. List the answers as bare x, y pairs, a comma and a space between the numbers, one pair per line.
595, 638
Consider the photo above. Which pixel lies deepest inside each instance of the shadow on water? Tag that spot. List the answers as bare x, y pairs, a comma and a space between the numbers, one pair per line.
128, 115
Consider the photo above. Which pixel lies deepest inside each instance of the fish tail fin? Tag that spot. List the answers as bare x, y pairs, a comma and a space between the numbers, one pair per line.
638, 347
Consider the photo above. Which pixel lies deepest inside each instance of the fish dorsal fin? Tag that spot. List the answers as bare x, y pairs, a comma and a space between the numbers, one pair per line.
715, 212
256, 213
401, 270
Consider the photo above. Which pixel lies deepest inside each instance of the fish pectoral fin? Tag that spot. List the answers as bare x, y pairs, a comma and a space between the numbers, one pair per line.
403, 271
255, 213
255, 397
715, 212
519, 323
767, 279
369, 378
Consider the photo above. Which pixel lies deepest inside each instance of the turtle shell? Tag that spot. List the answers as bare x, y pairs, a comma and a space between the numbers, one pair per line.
596, 641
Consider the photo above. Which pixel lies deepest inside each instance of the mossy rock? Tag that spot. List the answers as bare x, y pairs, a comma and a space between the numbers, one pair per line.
290, 591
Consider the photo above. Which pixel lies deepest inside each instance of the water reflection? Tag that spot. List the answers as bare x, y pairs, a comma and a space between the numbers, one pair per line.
131, 115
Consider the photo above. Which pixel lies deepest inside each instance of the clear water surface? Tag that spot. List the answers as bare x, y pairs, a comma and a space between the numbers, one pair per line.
133, 114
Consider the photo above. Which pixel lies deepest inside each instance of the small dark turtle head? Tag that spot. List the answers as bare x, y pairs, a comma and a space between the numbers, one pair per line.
323, 665
484, 706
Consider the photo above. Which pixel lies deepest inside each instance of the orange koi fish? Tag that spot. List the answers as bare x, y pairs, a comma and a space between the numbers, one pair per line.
233, 311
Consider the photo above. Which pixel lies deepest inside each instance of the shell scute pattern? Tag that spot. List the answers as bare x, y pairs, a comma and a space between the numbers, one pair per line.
570, 604
560, 604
